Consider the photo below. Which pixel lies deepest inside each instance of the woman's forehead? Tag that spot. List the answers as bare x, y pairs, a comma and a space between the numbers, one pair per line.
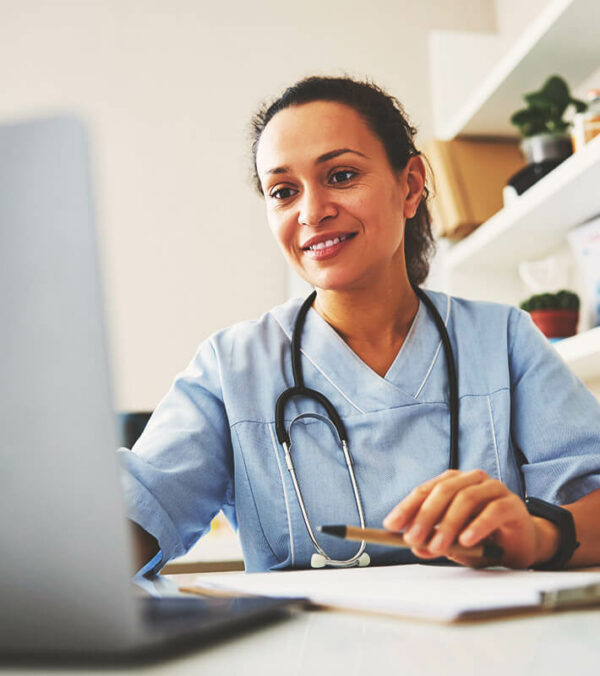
305, 132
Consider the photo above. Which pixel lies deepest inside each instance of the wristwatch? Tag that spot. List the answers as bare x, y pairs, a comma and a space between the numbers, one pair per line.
566, 528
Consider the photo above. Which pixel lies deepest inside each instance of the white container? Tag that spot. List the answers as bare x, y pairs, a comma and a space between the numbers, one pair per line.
585, 243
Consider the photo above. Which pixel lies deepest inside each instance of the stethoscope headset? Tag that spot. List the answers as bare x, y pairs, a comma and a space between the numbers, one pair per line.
320, 558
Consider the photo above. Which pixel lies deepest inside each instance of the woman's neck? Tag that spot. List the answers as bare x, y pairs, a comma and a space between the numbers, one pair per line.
374, 321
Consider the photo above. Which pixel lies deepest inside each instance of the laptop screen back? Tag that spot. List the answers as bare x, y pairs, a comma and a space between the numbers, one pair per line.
65, 566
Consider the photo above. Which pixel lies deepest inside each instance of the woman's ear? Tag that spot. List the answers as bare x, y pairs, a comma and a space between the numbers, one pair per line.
415, 185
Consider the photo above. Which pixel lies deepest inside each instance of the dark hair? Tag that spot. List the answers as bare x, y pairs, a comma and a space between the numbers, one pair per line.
388, 121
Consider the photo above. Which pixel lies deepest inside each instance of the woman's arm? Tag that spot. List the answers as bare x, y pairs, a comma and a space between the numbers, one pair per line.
469, 507
145, 545
180, 471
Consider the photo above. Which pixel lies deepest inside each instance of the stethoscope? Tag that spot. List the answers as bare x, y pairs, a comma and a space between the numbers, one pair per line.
320, 558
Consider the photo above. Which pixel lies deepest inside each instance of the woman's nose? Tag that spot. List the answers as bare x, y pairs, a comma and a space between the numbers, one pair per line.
315, 207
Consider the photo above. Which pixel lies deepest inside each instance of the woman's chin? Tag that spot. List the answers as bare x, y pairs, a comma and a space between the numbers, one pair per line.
332, 282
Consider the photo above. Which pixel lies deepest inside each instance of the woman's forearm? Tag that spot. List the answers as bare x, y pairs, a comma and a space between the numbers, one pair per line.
145, 545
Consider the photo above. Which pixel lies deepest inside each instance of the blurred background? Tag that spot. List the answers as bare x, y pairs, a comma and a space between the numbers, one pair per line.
167, 90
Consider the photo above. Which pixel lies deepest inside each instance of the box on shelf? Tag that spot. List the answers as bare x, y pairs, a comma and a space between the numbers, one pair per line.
468, 178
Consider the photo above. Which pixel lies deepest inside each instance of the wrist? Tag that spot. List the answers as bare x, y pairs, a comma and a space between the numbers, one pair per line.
547, 540
563, 521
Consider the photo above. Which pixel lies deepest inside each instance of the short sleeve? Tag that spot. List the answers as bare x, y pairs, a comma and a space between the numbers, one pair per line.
555, 419
179, 473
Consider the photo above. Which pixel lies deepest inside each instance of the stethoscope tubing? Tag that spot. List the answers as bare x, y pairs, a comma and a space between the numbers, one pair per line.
452, 374
361, 516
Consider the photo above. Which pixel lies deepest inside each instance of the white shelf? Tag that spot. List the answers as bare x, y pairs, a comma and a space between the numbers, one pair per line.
582, 354
537, 222
563, 40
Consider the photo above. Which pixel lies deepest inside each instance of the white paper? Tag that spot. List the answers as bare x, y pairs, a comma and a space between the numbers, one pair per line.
416, 590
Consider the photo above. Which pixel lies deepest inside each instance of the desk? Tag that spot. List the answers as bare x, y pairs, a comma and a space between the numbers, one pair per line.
353, 644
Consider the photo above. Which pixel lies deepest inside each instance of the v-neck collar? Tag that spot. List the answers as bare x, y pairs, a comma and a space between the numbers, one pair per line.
325, 352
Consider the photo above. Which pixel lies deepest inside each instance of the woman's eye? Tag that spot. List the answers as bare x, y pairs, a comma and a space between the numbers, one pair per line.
342, 176
282, 193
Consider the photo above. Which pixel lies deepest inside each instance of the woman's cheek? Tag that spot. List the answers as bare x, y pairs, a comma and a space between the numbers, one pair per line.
286, 235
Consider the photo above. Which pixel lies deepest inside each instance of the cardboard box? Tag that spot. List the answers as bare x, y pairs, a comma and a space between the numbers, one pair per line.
468, 178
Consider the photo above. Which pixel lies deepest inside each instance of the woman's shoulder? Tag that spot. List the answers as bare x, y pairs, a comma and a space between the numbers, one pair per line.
273, 327
463, 314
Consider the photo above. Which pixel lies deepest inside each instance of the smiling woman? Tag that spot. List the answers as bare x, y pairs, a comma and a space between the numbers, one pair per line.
373, 357
376, 119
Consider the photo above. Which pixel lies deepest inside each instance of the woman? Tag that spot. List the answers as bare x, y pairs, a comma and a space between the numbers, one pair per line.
345, 195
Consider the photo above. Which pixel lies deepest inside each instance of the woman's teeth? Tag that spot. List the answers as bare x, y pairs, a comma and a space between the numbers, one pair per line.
327, 243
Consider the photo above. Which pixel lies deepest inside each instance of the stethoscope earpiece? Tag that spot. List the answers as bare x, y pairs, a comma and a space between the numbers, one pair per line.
364, 560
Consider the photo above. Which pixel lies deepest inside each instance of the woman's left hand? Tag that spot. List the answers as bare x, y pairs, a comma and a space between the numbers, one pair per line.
466, 508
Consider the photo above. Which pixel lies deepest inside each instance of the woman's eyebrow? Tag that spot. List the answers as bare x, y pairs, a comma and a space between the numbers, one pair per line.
322, 158
335, 153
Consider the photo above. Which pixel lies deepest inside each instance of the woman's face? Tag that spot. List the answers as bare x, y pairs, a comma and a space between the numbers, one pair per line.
334, 203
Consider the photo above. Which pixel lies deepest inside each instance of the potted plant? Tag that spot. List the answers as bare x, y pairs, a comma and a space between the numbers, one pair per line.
555, 314
546, 141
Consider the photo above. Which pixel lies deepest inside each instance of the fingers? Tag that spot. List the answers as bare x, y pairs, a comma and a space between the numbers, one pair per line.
472, 561
458, 507
497, 513
423, 553
459, 514
405, 510
465, 508
425, 507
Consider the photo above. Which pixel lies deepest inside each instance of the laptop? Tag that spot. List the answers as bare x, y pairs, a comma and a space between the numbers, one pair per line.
67, 561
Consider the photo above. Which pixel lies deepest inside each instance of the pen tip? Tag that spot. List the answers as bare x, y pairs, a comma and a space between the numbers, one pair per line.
340, 531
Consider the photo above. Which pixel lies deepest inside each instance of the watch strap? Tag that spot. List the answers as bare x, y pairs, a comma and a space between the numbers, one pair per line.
563, 519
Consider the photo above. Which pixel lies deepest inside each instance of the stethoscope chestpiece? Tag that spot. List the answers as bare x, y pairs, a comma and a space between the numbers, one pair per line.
319, 561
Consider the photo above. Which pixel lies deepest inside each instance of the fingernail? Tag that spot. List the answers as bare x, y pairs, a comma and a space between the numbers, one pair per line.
467, 538
438, 542
414, 534
394, 520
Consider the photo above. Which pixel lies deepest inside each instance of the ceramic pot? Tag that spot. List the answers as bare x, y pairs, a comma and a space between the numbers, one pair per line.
556, 323
546, 148
543, 153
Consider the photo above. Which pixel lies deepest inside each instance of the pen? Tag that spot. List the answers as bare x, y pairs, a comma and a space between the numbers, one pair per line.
383, 537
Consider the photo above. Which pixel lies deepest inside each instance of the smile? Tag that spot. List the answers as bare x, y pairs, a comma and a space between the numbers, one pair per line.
324, 244
328, 248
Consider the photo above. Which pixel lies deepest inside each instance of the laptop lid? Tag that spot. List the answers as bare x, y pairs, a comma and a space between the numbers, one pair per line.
66, 557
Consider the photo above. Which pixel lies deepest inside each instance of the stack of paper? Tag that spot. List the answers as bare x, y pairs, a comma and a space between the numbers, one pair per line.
435, 592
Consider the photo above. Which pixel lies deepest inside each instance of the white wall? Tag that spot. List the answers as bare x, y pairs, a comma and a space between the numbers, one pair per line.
513, 16
168, 88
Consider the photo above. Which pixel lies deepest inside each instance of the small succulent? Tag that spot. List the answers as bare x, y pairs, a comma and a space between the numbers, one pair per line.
563, 300
546, 107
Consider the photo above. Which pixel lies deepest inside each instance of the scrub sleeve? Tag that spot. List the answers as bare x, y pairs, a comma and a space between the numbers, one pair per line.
184, 476
555, 419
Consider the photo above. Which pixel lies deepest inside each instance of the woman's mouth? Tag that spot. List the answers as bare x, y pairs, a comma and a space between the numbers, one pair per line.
327, 248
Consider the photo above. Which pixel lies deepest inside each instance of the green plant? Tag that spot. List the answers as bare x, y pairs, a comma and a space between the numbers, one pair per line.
563, 300
546, 107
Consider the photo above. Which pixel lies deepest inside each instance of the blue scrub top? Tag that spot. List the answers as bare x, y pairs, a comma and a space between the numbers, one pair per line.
211, 442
